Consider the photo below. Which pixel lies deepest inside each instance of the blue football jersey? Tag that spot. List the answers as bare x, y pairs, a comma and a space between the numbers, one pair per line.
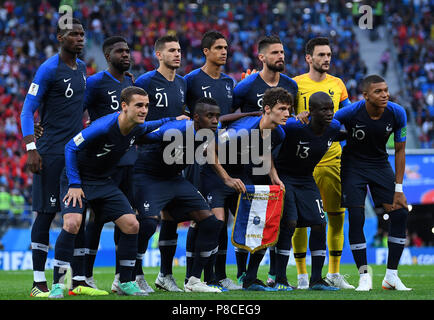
302, 149
57, 92
93, 154
102, 97
199, 85
166, 98
167, 157
367, 138
103, 94
249, 93
248, 144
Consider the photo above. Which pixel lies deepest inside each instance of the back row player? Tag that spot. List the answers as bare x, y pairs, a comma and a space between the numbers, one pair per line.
167, 92
249, 95
57, 92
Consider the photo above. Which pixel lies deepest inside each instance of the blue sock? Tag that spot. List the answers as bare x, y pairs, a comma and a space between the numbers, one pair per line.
220, 259
397, 237
206, 241
127, 252
190, 248
63, 255
317, 247
147, 227
356, 219
40, 239
92, 237
78, 259
167, 243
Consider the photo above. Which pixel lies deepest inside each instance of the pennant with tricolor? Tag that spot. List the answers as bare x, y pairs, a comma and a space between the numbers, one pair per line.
257, 219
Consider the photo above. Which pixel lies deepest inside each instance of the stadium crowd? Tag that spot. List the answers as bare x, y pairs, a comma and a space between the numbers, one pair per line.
410, 23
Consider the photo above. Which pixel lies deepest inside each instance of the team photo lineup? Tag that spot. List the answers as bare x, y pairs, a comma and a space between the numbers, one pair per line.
281, 156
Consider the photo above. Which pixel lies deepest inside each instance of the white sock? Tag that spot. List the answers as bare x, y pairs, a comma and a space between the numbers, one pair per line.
39, 276
332, 274
391, 273
303, 276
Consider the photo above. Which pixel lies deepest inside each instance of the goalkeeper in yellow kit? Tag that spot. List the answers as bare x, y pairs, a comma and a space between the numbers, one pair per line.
327, 172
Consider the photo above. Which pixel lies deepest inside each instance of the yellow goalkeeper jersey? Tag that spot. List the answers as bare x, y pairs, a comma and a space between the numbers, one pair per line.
337, 91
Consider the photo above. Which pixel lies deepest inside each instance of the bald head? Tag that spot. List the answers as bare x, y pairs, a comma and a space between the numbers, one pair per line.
319, 99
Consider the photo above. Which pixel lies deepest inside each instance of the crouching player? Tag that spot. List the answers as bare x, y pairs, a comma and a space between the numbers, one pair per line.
91, 158
303, 147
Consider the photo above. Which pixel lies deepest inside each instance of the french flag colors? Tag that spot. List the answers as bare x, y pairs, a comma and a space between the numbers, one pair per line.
257, 219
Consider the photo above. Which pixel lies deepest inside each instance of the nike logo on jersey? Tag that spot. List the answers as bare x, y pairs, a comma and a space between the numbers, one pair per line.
389, 128
303, 93
360, 125
159, 89
111, 92
303, 142
106, 150
66, 80
260, 94
204, 88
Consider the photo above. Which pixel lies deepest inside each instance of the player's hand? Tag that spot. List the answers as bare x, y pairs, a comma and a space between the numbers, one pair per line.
278, 182
183, 117
303, 117
74, 194
236, 184
38, 129
247, 73
129, 74
34, 161
399, 201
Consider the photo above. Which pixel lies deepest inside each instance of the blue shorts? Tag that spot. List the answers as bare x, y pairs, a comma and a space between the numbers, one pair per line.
46, 184
123, 178
105, 198
217, 193
381, 182
192, 174
302, 201
154, 194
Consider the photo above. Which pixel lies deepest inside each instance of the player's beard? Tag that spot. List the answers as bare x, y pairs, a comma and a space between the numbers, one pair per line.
319, 69
276, 68
171, 66
121, 67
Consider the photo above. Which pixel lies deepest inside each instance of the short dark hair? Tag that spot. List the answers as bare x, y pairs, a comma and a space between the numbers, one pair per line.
312, 43
368, 80
277, 95
109, 42
128, 92
266, 41
63, 30
318, 99
160, 42
201, 103
209, 38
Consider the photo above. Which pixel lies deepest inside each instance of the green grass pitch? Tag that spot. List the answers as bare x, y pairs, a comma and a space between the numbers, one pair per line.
16, 285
